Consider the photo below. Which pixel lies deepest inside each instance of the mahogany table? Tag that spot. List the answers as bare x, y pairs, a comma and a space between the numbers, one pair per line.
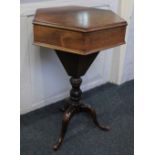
77, 34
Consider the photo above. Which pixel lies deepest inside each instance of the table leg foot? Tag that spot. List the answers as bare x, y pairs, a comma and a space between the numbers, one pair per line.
69, 113
92, 112
66, 118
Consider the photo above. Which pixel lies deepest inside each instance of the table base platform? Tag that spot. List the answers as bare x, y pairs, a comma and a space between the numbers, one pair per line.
73, 106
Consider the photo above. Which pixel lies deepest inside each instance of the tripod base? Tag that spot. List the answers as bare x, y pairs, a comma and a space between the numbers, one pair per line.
76, 66
70, 110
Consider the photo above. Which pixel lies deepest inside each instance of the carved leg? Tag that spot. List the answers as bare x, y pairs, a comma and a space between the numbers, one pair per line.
91, 111
66, 118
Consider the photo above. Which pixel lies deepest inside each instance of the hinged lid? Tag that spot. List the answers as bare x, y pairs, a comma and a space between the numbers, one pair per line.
84, 19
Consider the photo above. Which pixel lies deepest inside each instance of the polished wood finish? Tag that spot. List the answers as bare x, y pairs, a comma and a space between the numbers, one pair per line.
75, 29
77, 34
70, 111
84, 19
76, 66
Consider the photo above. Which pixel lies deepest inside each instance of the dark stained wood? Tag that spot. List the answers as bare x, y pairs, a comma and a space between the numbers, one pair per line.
76, 66
81, 30
69, 113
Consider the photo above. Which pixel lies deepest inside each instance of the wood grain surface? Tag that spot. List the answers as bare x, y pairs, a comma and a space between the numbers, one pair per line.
81, 30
